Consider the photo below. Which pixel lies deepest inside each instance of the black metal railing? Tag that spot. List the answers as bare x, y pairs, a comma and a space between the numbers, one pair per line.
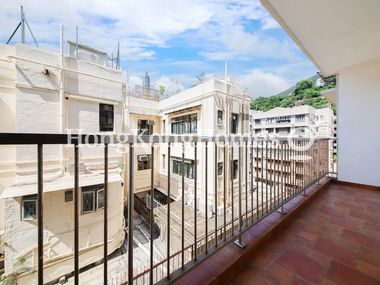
267, 174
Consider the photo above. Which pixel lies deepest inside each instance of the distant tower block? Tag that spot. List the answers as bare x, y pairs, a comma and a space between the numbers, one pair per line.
146, 81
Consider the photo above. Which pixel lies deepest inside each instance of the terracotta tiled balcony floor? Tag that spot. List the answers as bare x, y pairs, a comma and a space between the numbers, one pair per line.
334, 240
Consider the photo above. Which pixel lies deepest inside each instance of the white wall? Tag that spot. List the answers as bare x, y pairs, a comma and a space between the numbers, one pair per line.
358, 121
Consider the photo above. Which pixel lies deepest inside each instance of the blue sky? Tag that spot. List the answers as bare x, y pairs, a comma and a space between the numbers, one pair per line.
173, 39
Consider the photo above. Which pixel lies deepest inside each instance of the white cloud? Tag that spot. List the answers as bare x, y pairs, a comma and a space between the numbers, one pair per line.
262, 83
139, 25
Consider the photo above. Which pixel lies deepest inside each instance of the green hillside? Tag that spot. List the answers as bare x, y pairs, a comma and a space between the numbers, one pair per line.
303, 93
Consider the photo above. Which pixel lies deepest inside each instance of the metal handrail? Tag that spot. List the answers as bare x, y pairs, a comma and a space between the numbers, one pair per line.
293, 170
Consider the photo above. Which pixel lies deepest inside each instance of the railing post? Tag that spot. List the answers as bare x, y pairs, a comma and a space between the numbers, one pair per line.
206, 197
239, 242
105, 230
168, 219
195, 198
183, 207
225, 190
151, 216
281, 210
40, 197
130, 214
216, 193
76, 214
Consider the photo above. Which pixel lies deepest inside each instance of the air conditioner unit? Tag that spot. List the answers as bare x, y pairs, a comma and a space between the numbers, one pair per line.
143, 158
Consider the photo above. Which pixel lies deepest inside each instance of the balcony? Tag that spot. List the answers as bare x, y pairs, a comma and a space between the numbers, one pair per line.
202, 218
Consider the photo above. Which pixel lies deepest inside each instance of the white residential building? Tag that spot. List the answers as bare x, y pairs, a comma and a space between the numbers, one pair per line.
293, 121
45, 92
211, 108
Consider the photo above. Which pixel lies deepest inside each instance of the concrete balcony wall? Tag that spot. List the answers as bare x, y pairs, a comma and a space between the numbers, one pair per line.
359, 139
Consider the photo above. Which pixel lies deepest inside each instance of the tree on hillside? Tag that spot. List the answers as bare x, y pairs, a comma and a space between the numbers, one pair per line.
305, 93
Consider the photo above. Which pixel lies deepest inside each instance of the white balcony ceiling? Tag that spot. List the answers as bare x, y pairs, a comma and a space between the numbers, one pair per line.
335, 34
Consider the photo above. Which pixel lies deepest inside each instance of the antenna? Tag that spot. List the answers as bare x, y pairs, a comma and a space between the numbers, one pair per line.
21, 24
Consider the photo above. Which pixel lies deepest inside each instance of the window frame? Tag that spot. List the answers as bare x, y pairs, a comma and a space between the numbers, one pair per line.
149, 127
234, 123
103, 111
148, 162
189, 167
33, 199
95, 191
186, 124
220, 168
219, 117
235, 171
87, 192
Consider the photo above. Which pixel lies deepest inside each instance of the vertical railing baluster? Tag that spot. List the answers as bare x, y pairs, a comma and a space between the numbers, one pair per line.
232, 188
216, 193
130, 214
274, 174
266, 175
257, 180
195, 197
206, 196
183, 207
225, 190
239, 242
246, 183
151, 216
271, 175
40, 223
105, 214
262, 178
251, 190
76, 214
282, 179
168, 219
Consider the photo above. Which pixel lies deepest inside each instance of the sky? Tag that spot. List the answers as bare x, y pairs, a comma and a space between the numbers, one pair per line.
175, 41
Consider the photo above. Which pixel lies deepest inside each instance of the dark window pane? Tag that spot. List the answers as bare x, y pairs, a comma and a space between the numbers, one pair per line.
88, 201
29, 209
106, 118
100, 199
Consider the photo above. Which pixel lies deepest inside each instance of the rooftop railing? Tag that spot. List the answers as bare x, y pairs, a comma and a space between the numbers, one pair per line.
258, 176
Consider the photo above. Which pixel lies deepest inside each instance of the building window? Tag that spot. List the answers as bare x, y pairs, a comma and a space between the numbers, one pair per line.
185, 124
257, 121
106, 118
283, 131
163, 126
68, 196
220, 168
163, 161
145, 127
188, 167
220, 117
92, 198
235, 165
300, 118
234, 123
144, 162
29, 208
283, 119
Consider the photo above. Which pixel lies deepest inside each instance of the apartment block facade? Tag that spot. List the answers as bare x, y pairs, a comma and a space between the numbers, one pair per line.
295, 121
45, 92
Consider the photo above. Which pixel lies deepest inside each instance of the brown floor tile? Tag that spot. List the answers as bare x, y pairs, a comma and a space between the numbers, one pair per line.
343, 274
302, 265
333, 241
369, 269
253, 276
361, 239
336, 251
280, 274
